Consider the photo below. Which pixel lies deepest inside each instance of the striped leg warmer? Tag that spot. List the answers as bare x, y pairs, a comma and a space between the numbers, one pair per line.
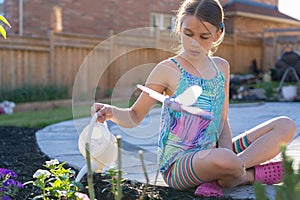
240, 144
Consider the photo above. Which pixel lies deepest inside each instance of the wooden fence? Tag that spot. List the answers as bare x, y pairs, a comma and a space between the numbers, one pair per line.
240, 52
90, 64
278, 41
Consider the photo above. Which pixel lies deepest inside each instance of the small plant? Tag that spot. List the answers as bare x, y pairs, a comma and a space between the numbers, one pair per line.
290, 189
55, 181
8, 185
112, 173
141, 153
115, 175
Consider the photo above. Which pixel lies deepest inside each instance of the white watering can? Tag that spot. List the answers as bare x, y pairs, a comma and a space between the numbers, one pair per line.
103, 146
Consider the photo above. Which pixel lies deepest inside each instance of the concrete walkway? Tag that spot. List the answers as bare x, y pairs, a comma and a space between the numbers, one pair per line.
60, 140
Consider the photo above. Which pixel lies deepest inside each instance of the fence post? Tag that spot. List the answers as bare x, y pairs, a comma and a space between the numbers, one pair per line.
234, 45
263, 52
275, 49
157, 35
51, 70
112, 53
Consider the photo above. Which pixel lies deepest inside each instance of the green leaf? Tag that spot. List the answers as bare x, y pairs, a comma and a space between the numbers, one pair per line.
3, 19
57, 183
38, 183
79, 185
3, 32
260, 191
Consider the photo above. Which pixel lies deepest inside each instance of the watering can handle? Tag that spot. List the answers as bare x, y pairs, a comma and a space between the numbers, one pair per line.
94, 121
92, 124
94, 118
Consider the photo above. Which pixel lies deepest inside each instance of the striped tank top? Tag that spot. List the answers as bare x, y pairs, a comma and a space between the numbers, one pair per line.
182, 132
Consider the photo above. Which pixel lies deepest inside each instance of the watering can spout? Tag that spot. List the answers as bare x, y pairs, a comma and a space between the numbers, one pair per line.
84, 170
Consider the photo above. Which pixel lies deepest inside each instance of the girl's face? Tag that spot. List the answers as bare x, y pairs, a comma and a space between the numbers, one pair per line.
197, 37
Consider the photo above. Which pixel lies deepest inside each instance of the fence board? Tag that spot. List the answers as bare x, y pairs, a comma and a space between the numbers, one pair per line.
276, 42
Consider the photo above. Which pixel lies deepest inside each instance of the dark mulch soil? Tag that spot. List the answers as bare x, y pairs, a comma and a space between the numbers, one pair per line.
19, 152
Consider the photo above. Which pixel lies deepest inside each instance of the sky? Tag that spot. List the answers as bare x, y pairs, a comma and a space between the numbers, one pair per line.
290, 7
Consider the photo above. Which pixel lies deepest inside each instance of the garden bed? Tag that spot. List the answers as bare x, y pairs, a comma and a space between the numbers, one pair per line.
19, 152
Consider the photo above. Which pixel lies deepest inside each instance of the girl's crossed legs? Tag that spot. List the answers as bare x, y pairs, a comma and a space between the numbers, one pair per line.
229, 169
226, 167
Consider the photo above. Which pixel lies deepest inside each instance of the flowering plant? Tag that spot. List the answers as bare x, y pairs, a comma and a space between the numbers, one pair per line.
112, 175
55, 181
7, 107
8, 186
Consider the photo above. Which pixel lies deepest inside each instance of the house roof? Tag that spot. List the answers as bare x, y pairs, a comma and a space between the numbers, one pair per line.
248, 6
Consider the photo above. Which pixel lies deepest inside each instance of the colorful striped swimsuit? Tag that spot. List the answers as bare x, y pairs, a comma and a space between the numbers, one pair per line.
182, 133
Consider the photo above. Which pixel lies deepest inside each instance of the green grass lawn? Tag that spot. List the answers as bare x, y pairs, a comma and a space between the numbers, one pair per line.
42, 118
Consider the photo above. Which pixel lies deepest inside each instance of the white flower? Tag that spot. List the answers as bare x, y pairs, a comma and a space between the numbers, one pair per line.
41, 172
52, 162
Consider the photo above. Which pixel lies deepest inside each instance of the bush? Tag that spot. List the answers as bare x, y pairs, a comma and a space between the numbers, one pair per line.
31, 93
269, 88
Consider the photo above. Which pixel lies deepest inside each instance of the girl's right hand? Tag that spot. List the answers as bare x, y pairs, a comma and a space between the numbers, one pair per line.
104, 111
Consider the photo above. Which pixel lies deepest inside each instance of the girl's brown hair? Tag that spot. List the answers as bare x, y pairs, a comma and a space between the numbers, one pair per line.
209, 11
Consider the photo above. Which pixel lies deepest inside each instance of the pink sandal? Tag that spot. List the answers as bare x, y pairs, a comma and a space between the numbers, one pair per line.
270, 173
211, 189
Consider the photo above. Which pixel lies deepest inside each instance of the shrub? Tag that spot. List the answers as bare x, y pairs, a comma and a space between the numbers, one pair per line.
31, 93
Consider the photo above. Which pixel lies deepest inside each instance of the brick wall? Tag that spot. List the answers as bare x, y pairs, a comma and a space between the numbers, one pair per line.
10, 9
86, 17
96, 17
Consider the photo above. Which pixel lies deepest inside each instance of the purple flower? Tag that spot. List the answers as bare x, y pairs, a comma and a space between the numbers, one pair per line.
11, 182
4, 172
19, 184
8, 186
2, 189
6, 198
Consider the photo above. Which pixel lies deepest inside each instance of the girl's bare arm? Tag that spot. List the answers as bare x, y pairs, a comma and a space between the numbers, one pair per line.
225, 139
158, 80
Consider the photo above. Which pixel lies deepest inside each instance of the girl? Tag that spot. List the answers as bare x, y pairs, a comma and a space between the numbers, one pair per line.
196, 152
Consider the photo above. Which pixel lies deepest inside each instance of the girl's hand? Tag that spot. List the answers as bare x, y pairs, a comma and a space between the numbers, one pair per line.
104, 111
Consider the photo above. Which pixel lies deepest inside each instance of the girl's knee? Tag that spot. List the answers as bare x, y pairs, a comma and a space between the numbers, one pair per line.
287, 128
231, 168
230, 164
